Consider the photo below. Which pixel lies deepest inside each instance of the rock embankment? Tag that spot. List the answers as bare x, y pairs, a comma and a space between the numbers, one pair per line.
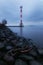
15, 50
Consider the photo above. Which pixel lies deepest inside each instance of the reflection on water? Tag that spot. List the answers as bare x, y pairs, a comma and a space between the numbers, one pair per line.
33, 32
21, 31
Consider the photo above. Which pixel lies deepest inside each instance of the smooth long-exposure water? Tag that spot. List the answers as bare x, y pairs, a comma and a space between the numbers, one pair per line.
33, 32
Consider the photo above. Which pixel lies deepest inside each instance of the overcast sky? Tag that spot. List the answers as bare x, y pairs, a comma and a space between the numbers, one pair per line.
32, 11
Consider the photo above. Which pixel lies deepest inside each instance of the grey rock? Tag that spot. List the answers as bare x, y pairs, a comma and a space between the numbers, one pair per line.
2, 62
20, 62
34, 53
40, 51
27, 57
9, 47
8, 58
33, 62
1, 45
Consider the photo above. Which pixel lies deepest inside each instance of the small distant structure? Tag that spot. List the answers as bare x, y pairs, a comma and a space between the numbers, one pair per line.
4, 22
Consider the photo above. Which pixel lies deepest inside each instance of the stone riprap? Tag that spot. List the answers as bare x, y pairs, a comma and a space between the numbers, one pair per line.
16, 50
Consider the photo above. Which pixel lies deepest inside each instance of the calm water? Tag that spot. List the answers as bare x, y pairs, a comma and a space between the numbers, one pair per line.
33, 32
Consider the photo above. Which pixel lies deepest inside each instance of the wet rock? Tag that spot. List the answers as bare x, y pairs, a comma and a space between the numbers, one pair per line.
14, 41
2, 62
9, 47
8, 58
1, 45
19, 44
1, 55
26, 57
33, 52
33, 62
40, 51
20, 62
7, 39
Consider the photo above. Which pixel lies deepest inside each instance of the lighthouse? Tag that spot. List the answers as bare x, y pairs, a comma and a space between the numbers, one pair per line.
21, 24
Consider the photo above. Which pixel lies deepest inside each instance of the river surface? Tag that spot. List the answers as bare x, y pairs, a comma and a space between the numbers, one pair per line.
33, 32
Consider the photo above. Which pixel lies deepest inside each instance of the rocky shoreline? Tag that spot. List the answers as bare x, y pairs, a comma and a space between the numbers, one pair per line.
16, 50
